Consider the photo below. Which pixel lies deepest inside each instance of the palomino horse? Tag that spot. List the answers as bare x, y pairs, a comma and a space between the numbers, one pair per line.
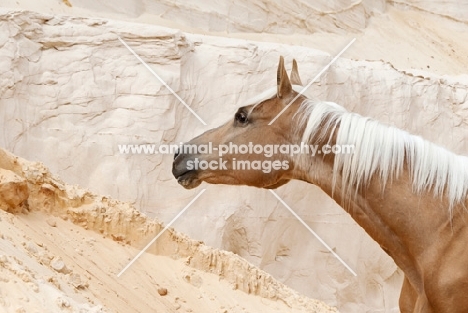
408, 194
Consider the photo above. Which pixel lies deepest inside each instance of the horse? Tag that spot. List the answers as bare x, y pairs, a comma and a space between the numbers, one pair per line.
408, 194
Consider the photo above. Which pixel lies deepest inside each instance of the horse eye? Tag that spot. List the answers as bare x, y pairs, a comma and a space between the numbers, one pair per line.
241, 117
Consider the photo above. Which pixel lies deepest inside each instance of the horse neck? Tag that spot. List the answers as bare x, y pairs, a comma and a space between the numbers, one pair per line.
403, 223
377, 204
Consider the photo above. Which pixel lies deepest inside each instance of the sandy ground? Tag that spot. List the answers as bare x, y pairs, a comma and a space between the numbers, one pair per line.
34, 246
61, 249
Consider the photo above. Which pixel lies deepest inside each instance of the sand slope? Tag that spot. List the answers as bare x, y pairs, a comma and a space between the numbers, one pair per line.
61, 248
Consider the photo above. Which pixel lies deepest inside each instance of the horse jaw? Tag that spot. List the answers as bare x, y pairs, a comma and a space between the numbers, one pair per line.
278, 184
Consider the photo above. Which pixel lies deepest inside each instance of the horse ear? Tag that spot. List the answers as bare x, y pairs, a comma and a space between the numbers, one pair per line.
282, 79
295, 78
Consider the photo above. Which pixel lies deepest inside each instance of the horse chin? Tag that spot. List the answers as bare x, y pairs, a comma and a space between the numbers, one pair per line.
189, 181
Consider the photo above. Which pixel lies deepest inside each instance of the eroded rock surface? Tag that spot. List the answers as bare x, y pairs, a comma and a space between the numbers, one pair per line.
14, 192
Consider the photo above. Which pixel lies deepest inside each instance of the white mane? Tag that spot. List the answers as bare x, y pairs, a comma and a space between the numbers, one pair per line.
383, 150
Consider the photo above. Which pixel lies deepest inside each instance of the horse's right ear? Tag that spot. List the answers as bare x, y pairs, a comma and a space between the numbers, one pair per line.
295, 78
282, 79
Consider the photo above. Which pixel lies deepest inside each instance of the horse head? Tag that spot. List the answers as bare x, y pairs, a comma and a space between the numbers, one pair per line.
244, 150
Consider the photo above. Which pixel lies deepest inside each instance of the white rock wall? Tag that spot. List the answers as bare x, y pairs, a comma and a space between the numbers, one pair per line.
454, 9
257, 16
70, 93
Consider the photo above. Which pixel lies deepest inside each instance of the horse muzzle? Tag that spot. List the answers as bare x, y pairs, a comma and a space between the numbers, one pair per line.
186, 175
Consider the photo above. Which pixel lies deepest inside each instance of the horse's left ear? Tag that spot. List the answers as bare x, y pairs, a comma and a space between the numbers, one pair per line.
284, 85
295, 78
